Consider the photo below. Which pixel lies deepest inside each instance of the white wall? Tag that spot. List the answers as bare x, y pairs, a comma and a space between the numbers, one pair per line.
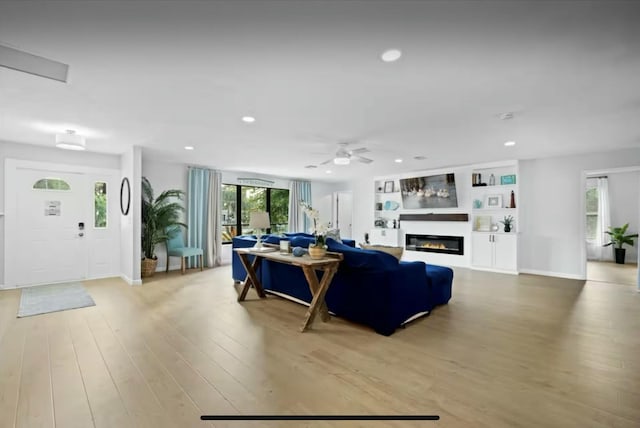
130, 227
10, 150
552, 207
624, 200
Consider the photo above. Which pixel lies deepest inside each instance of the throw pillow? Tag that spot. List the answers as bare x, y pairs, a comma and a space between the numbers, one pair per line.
334, 234
394, 251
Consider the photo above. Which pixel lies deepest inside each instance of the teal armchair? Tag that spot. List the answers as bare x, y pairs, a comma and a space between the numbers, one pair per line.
176, 248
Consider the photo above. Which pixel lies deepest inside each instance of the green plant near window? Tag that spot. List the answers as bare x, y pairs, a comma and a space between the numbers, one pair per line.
160, 217
618, 237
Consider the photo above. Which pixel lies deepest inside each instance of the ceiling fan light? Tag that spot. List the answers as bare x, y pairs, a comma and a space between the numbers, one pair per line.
341, 160
70, 141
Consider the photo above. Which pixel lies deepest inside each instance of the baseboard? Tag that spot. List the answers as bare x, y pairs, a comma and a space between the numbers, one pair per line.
508, 272
554, 274
130, 281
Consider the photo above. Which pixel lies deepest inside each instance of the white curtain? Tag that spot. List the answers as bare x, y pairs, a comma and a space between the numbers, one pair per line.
213, 256
298, 191
595, 249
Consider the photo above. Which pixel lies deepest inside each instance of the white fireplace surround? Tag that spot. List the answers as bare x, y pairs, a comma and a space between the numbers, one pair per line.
451, 228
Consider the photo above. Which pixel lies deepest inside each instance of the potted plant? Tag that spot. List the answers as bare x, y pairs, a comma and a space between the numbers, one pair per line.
508, 223
318, 249
160, 220
619, 238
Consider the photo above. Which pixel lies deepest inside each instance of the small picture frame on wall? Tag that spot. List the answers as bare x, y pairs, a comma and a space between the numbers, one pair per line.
388, 187
493, 201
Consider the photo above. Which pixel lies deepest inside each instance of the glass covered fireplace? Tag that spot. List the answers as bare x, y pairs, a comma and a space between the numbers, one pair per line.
435, 243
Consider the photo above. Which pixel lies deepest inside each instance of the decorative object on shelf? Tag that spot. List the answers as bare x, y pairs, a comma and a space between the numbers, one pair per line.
317, 251
493, 201
476, 180
492, 180
390, 224
298, 252
378, 206
495, 227
477, 204
379, 189
388, 187
512, 204
285, 246
508, 222
483, 223
395, 222
619, 238
508, 179
379, 222
391, 205
319, 231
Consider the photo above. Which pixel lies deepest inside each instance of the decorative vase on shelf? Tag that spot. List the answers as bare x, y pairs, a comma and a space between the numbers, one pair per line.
317, 251
492, 180
507, 228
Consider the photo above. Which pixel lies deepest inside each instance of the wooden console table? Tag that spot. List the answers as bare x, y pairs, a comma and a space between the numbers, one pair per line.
328, 264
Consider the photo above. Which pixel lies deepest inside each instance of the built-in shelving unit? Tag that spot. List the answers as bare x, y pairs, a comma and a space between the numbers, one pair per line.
384, 202
492, 247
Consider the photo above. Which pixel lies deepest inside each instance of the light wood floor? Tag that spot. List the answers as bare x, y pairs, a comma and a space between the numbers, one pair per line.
625, 274
507, 351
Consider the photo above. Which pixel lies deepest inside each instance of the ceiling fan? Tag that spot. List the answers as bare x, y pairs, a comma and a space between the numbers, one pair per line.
344, 156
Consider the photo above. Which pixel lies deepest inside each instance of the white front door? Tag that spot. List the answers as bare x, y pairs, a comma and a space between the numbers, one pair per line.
57, 228
344, 214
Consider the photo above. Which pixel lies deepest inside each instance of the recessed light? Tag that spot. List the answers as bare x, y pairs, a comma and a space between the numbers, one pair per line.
188, 147
328, 171
248, 119
391, 55
510, 143
398, 160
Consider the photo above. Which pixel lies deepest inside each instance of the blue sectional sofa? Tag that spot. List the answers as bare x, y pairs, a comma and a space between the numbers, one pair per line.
370, 287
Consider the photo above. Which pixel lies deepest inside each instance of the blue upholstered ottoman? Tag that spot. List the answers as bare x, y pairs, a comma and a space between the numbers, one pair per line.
440, 282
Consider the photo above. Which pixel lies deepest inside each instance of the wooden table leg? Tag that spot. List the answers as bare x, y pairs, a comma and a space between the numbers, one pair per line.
252, 277
319, 291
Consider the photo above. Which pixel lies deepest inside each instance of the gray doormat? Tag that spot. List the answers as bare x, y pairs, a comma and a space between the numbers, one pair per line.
53, 298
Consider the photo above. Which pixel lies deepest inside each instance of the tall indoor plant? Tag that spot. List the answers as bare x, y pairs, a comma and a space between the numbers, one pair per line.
619, 238
160, 220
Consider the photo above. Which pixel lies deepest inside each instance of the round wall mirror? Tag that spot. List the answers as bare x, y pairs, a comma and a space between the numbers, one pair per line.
125, 196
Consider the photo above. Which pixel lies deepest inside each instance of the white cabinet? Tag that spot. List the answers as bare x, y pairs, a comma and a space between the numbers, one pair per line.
381, 236
495, 251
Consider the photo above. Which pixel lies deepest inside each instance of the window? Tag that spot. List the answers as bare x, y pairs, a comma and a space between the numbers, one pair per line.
239, 201
253, 199
279, 210
229, 212
51, 184
100, 205
592, 213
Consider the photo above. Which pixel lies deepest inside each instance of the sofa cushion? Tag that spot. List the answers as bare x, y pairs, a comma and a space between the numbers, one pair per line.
357, 258
293, 234
302, 241
334, 234
394, 251
271, 239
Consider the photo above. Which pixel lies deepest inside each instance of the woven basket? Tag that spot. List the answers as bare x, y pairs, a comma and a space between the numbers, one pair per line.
317, 252
148, 267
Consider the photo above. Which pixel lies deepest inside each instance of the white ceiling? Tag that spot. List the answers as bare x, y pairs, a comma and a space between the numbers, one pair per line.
165, 75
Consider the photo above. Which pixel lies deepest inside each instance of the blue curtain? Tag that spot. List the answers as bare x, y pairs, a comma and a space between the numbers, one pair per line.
299, 191
197, 211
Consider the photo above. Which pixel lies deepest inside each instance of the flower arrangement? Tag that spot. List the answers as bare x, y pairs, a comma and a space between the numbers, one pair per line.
318, 230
